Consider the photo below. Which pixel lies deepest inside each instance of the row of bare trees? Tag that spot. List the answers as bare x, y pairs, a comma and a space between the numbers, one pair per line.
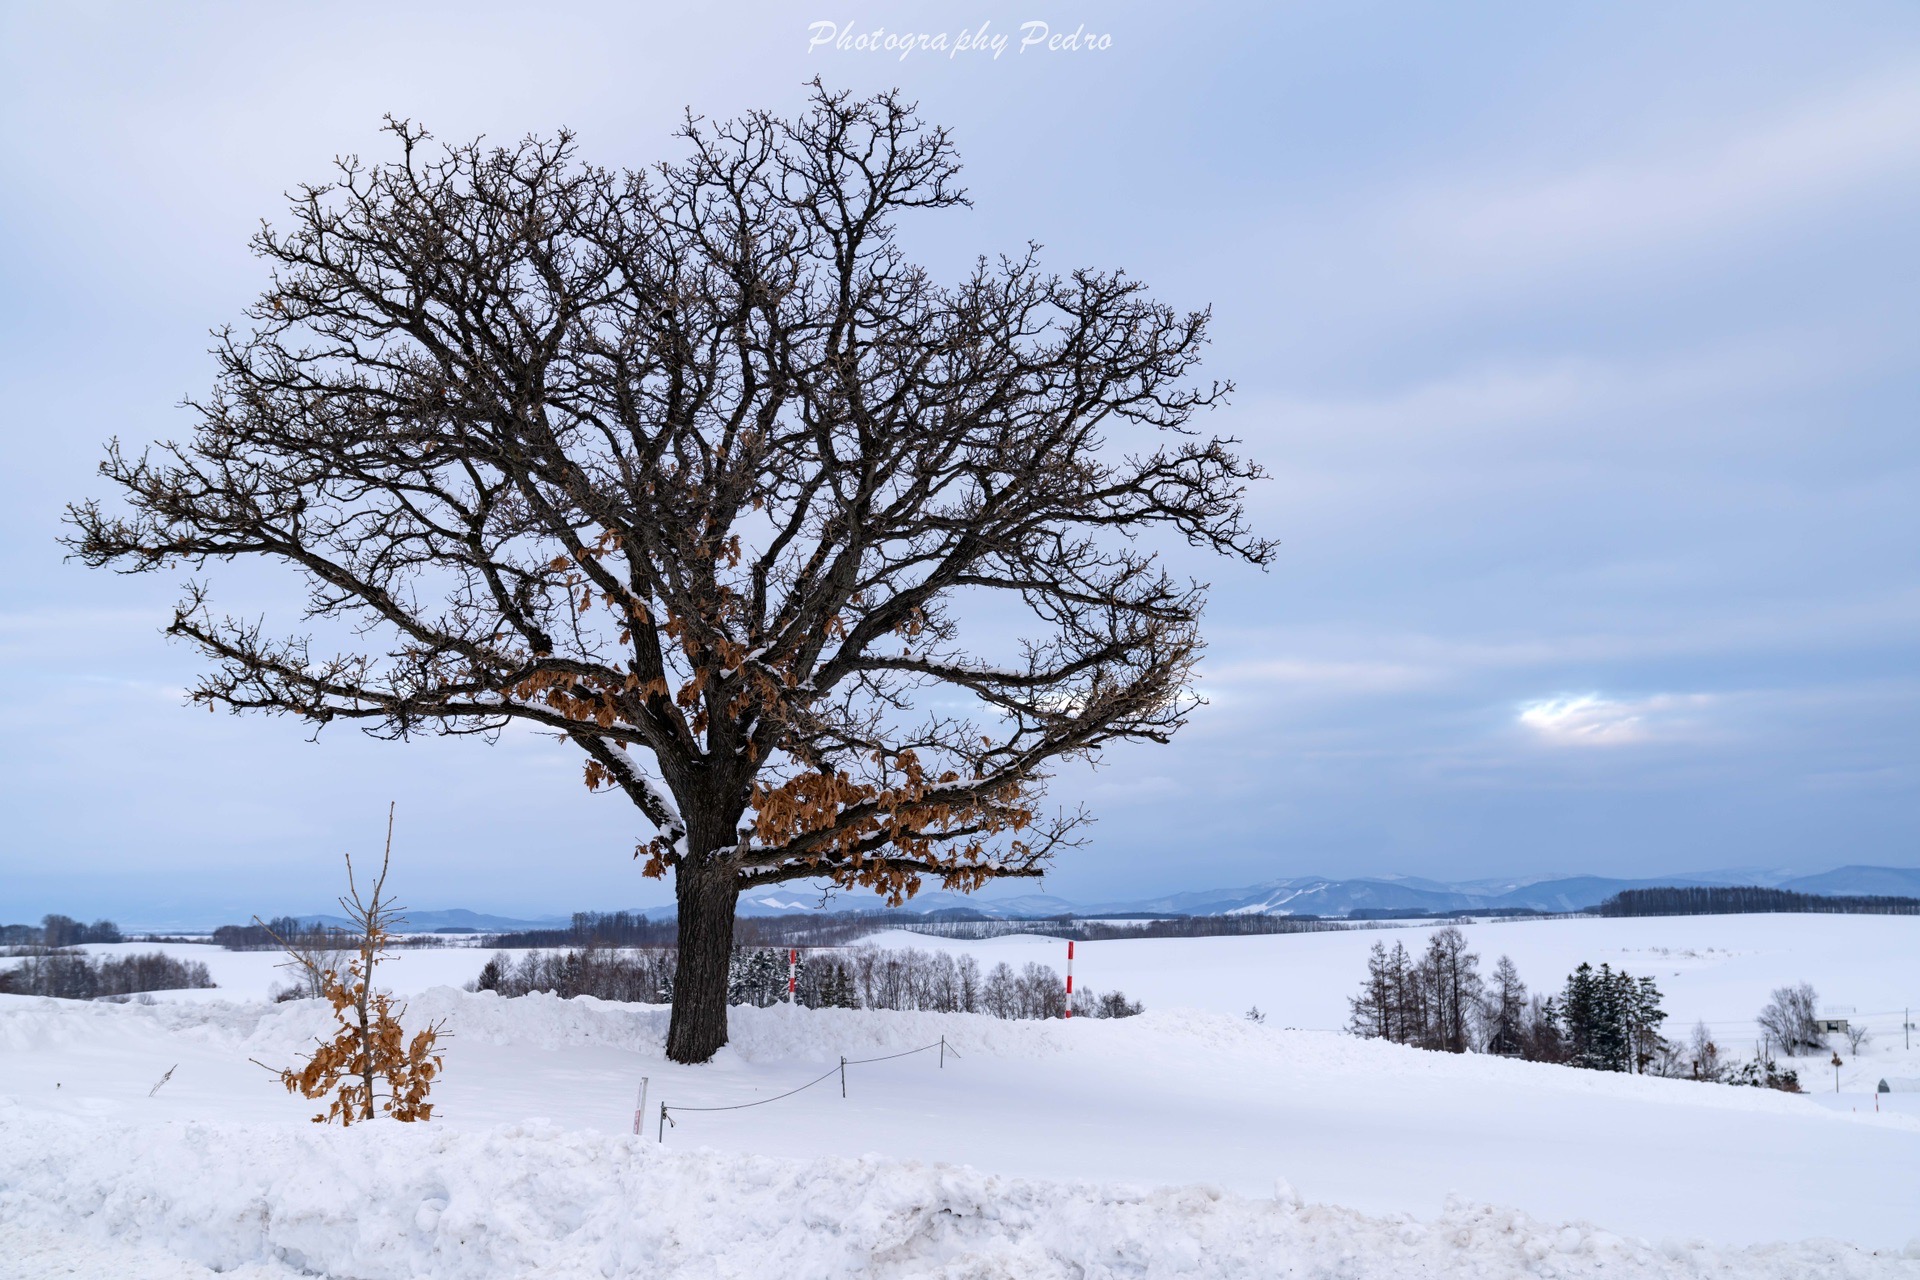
857, 978
636, 975
59, 931
72, 975
1440, 1001
940, 982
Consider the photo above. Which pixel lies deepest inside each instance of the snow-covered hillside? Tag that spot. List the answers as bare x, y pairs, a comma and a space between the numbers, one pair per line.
1716, 969
1180, 1142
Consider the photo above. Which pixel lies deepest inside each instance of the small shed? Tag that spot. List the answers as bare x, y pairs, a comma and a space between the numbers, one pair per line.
1832, 1026
1899, 1084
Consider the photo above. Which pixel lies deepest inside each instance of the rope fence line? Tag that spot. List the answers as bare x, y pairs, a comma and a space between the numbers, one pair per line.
667, 1109
940, 1044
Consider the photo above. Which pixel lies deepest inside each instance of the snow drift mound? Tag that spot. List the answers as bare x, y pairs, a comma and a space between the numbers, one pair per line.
384, 1200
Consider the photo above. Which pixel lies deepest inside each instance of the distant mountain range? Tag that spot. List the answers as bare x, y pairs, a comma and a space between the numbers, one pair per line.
1301, 896
1323, 896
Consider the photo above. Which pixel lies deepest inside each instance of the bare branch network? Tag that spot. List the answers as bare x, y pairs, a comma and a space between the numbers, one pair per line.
694, 469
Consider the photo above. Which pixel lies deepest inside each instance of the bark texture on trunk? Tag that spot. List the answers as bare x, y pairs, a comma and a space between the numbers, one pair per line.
707, 896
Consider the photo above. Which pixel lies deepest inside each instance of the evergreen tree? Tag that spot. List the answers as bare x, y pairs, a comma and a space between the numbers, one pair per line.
490, 975
1580, 1014
1613, 1004
756, 977
844, 996
1612, 1020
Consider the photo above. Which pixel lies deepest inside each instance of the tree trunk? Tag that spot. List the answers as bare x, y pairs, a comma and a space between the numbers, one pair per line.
707, 896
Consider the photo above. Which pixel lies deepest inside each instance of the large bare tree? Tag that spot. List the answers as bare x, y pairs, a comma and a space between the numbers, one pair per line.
694, 469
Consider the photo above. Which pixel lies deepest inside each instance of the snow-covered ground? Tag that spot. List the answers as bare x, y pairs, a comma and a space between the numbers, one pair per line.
1184, 1141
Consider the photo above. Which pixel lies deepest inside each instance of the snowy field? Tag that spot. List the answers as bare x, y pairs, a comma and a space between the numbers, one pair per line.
1186, 1141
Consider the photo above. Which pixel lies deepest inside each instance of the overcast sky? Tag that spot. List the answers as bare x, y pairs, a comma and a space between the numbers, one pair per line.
1579, 340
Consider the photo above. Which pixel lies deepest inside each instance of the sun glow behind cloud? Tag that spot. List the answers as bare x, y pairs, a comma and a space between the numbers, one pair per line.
1590, 719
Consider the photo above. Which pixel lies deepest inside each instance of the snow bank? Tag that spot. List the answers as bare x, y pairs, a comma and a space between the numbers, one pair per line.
1048, 1146
384, 1200
541, 1020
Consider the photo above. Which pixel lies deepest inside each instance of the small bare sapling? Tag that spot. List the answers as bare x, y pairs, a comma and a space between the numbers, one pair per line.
369, 1064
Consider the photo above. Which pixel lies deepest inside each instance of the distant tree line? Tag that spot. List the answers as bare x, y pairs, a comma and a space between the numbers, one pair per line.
271, 936
839, 928
862, 978
1428, 913
71, 975
591, 929
59, 931
284, 932
596, 929
1602, 1020
1717, 900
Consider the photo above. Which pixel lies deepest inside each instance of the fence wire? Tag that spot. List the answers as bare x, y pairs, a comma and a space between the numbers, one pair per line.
667, 1109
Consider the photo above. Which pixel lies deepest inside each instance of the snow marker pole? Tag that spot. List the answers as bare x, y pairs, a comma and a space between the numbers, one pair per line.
943, 1053
793, 967
843, 1075
640, 1105
1069, 1012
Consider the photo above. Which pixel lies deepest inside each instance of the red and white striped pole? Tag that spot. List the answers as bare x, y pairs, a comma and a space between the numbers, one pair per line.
1069, 1012
793, 967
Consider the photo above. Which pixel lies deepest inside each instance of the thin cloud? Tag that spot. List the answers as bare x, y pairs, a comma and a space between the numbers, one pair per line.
1557, 400
1316, 676
1826, 148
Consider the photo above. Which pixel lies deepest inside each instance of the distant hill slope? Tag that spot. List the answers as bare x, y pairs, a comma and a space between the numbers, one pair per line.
453, 918
1897, 882
1319, 895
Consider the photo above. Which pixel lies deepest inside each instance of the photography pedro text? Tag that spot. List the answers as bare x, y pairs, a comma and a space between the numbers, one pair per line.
984, 41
